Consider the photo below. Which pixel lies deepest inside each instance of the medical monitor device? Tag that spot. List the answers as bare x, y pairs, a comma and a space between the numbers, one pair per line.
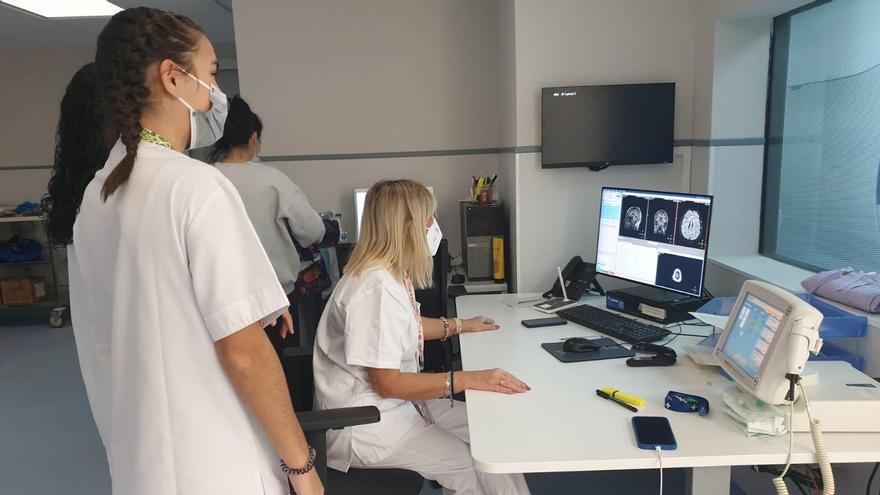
654, 238
769, 336
360, 197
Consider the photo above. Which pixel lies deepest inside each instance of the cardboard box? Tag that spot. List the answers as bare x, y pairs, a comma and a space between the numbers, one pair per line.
22, 291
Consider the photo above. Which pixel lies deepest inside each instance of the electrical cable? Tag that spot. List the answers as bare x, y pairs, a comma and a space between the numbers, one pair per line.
779, 481
871, 478
813, 479
828, 487
660, 458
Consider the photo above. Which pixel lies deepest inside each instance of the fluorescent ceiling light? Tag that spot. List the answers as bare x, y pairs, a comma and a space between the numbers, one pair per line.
66, 8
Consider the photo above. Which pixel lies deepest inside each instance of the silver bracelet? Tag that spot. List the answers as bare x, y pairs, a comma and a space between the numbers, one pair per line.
448, 386
445, 328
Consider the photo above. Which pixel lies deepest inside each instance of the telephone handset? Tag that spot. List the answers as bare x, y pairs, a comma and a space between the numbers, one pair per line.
579, 277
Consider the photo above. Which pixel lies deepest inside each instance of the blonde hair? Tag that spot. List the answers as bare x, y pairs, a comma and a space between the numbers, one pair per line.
393, 233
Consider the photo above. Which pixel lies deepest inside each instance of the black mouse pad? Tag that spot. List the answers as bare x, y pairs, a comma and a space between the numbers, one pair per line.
609, 350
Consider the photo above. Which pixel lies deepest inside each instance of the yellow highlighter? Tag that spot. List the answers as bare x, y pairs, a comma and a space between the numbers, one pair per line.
623, 396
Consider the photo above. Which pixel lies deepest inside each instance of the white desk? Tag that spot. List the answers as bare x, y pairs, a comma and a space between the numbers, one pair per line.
561, 425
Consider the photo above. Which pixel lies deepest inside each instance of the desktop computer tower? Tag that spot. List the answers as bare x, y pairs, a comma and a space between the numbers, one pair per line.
479, 225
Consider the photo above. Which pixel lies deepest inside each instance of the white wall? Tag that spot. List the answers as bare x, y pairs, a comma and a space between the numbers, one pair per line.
578, 42
336, 77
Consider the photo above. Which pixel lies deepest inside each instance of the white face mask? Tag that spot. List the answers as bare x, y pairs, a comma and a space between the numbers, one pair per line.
205, 128
435, 235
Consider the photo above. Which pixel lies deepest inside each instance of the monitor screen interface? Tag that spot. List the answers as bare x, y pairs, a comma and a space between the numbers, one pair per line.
654, 238
619, 124
748, 341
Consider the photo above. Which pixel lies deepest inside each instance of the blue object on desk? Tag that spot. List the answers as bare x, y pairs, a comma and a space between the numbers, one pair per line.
681, 402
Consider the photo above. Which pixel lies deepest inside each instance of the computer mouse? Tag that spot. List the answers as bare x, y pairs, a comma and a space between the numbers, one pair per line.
580, 344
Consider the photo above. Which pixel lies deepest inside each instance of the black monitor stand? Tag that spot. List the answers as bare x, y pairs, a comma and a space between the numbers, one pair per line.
652, 303
656, 295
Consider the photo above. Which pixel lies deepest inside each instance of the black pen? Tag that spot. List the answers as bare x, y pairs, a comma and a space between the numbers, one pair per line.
612, 399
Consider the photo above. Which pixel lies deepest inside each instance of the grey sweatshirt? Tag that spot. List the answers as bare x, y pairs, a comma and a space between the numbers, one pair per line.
273, 202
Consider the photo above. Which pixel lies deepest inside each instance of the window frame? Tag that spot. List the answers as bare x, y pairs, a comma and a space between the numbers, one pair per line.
774, 126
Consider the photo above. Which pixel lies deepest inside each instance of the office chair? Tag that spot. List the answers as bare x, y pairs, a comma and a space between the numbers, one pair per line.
297, 364
434, 304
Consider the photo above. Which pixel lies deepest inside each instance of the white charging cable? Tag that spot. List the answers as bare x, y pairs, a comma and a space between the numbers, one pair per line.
660, 458
779, 481
818, 446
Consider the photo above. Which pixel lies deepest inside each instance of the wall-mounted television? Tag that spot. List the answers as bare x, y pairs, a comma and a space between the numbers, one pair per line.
600, 126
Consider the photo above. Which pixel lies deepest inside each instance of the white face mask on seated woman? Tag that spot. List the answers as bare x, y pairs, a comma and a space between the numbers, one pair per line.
435, 235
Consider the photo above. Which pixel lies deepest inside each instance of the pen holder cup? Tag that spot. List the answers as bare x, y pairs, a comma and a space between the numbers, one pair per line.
486, 194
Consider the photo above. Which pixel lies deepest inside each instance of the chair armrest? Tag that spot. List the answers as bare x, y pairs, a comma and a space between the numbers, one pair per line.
297, 352
316, 423
336, 419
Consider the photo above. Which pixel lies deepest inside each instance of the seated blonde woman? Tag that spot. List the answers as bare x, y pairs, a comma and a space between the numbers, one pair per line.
369, 346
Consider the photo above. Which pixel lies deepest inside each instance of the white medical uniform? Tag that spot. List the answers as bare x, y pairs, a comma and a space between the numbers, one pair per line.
369, 322
166, 267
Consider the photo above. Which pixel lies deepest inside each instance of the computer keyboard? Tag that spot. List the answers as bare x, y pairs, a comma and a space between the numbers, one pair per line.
612, 324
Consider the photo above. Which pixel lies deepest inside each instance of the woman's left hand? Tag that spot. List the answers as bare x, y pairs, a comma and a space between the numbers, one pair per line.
478, 324
287, 327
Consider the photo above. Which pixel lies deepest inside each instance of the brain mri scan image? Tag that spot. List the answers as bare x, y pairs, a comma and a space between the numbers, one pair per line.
679, 273
661, 222
634, 217
691, 226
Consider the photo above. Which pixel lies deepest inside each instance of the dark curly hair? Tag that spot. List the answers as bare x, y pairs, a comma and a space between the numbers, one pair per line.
131, 41
81, 148
241, 123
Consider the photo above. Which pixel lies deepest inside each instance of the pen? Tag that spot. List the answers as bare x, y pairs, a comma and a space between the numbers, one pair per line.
605, 396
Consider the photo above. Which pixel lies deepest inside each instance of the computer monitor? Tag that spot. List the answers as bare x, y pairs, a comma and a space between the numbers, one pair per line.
770, 332
360, 197
654, 238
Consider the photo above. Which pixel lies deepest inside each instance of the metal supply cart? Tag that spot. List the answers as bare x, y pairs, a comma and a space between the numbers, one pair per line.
53, 306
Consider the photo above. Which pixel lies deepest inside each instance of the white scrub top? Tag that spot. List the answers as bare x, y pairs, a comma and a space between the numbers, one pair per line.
166, 267
368, 323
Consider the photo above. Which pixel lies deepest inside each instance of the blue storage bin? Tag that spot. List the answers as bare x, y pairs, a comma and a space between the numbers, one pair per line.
836, 323
833, 352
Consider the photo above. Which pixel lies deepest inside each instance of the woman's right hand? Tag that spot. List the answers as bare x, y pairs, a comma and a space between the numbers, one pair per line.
307, 484
496, 380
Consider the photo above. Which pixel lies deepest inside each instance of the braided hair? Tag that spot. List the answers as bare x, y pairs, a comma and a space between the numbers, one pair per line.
131, 41
241, 124
80, 150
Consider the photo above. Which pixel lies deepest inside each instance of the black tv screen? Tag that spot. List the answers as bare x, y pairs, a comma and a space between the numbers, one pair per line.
598, 126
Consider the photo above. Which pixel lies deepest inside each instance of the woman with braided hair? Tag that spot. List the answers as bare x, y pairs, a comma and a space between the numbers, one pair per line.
170, 288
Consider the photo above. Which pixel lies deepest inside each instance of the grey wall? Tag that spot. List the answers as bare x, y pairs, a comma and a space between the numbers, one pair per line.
335, 76
582, 42
32, 82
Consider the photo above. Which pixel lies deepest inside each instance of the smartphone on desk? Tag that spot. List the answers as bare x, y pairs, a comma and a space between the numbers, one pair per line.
543, 322
653, 431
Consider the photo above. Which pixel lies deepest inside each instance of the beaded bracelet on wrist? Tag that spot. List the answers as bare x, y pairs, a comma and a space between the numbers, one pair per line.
303, 470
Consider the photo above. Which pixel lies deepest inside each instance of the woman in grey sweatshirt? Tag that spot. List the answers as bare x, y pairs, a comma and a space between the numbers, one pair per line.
278, 209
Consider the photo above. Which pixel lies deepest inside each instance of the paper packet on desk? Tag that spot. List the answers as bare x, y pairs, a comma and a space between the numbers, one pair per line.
754, 417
